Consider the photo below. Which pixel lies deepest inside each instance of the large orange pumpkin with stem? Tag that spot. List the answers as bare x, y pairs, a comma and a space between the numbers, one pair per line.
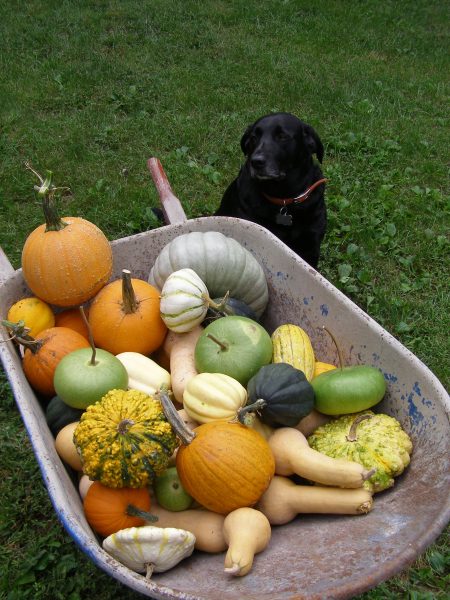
109, 510
222, 465
43, 352
65, 261
125, 317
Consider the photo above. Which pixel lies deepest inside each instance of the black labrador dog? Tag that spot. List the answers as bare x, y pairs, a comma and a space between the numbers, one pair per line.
280, 186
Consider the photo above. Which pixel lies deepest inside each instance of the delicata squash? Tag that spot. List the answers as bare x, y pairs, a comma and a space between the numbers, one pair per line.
125, 440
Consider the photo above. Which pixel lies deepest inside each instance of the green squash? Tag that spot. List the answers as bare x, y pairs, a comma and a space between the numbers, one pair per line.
229, 306
58, 414
280, 394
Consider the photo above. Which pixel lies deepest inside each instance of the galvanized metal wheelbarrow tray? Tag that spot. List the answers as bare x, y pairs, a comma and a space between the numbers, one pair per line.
313, 556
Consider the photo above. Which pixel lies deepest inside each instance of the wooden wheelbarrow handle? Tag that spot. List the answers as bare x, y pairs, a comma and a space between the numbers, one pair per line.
172, 209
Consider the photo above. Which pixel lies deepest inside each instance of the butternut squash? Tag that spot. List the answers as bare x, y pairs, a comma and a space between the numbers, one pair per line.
284, 500
247, 531
311, 422
207, 526
182, 361
293, 455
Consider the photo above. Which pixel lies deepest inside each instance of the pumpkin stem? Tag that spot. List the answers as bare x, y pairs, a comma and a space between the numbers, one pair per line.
341, 362
149, 571
129, 302
90, 336
254, 407
183, 432
351, 436
46, 191
20, 333
223, 346
133, 511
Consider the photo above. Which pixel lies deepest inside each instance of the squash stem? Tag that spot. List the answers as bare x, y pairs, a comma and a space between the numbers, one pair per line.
254, 407
134, 511
219, 305
223, 346
185, 434
93, 362
46, 191
129, 301
341, 362
20, 333
351, 436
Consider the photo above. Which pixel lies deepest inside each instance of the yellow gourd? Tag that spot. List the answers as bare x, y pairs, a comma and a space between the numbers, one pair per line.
291, 345
322, 367
247, 531
36, 314
284, 500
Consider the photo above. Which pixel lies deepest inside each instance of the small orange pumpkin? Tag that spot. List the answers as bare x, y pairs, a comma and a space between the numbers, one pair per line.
43, 353
222, 465
125, 317
109, 510
65, 261
73, 319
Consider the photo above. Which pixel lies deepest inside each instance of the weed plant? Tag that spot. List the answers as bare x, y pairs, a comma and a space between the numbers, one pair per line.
90, 90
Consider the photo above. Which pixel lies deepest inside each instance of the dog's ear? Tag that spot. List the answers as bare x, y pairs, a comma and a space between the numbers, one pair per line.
313, 142
245, 139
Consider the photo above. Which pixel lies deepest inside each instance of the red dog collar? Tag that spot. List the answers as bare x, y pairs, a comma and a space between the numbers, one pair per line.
298, 199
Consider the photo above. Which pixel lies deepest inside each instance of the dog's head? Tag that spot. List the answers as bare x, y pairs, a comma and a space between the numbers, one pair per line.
277, 143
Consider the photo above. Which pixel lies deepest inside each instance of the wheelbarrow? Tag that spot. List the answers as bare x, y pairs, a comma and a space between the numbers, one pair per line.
314, 556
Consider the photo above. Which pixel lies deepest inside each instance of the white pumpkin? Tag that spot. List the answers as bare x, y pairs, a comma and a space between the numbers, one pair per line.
213, 397
184, 301
221, 262
150, 549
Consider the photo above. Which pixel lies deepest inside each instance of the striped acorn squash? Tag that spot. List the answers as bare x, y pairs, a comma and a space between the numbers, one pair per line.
124, 440
292, 345
221, 262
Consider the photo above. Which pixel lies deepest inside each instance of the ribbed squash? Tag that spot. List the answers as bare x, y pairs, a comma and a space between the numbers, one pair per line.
280, 394
291, 345
213, 397
184, 301
222, 465
221, 262
125, 440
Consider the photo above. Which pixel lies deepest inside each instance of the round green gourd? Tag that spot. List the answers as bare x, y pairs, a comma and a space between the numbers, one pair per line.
280, 394
221, 262
58, 414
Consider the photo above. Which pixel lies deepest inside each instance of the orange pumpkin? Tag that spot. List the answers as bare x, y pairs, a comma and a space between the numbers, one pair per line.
72, 319
222, 465
43, 353
108, 510
125, 317
65, 261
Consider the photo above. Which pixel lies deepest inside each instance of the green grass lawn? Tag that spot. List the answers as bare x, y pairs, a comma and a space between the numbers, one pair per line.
90, 90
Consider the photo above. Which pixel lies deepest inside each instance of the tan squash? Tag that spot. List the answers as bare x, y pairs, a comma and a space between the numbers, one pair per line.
284, 500
182, 362
247, 531
293, 455
207, 526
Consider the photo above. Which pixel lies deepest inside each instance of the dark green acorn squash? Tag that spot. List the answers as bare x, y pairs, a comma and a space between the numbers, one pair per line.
280, 394
229, 306
58, 414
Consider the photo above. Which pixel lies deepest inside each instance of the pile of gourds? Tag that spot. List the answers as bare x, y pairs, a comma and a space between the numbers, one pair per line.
235, 446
